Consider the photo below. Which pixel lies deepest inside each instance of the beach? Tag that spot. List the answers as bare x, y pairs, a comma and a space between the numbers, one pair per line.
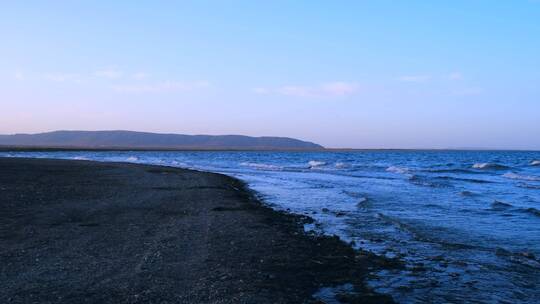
93, 232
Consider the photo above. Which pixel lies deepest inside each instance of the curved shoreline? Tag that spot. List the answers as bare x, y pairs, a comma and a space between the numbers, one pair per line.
119, 232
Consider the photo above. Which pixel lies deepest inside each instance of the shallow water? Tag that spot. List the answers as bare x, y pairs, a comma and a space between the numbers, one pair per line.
466, 223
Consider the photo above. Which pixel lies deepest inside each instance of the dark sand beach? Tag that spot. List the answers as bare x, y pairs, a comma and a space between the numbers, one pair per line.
87, 232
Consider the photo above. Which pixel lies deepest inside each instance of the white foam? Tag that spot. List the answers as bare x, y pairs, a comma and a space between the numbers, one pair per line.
400, 170
535, 163
481, 165
488, 166
512, 175
261, 166
132, 159
314, 163
340, 165
175, 163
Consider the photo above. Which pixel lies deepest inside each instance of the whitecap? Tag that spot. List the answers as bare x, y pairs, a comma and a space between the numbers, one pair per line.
340, 165
488, 166
400, 170
535, 163
314, 163
512, 175
480, 165
132, 159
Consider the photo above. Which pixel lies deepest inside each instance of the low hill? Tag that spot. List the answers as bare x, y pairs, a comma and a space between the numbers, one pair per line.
144, 140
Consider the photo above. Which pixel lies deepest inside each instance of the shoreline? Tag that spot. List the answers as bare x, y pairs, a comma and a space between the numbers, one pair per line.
120, 232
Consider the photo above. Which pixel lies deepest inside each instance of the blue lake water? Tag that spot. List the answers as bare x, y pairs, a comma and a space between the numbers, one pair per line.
466, 223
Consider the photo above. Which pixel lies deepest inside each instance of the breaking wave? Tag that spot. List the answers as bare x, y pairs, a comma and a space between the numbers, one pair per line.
486, 166
314, 164
535, 163
341, 165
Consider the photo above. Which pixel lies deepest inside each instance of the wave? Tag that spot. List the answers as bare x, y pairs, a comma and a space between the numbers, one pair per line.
314, 163
533, 211
363, 200
525, 257
470, 180
341, 165
132, 159
453, 171
261, 166
428, 181
488, 166
175, 163
535, 163
395, 222
498, 205
400, 170
423, 234
506, 253
512, 175
528, 186
354, 194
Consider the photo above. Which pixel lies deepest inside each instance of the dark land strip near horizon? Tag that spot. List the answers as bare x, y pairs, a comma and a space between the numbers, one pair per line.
89, 232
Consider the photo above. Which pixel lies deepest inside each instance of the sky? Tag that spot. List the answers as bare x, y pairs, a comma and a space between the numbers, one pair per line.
344, 74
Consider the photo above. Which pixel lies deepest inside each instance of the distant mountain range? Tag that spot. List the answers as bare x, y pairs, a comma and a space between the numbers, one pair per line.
144, 140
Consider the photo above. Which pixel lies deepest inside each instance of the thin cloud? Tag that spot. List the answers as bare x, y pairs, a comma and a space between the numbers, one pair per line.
297, 91
166, 86
18, 75
415, 78
325, 90
109, 73
261, 91
455, 76
63, 77
139, 76
339, 88
473, 91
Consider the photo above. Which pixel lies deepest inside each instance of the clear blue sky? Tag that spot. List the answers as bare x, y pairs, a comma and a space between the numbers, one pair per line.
359, 74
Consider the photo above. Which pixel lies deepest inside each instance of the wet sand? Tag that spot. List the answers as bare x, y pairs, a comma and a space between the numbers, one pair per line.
88, 232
